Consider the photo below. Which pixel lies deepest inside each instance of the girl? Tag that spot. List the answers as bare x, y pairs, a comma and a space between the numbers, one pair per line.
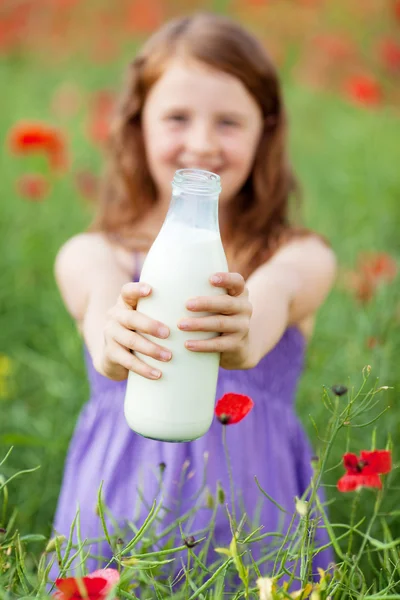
202, 93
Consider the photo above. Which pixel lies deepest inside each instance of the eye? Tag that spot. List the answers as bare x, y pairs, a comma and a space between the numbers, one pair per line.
228, 123
177, 118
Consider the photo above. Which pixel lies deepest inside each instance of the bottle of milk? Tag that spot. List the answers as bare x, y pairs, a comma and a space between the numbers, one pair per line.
179, 406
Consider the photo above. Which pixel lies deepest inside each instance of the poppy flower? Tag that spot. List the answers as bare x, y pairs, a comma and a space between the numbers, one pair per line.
389, 50
364, 89
396, 10
337, 47
25, 138
95, 586
232, 408
33, 187
144, 17
364, 471
373, 269
99, 121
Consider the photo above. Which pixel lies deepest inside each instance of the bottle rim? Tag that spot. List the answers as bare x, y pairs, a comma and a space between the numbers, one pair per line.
197, 181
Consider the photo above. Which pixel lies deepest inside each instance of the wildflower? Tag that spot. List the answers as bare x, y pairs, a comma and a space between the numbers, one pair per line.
25, 138
373, 270
95, 586
364, 89
232, 408
301, 506
99, 122
266, 588
364, 471
144, 17
337, 47
33, 187
58, 540
339, 390
389, 51
396, 10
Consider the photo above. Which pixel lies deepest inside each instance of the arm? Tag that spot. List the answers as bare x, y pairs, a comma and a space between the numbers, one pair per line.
286, 290
252, 317
89, 279
94, 289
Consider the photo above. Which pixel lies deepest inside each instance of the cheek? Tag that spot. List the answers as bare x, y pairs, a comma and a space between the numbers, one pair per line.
163, 143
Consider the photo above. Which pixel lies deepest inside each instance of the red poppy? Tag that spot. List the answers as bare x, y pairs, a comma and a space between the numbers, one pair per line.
33, 186
396, 10
25, 138
337, 47
144, 17
364, 471
101, 110
232, 408
372, 342
364, 89
95, 586
374, 268
389, 50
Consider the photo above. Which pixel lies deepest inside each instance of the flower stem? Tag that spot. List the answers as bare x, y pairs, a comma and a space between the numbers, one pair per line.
230, 475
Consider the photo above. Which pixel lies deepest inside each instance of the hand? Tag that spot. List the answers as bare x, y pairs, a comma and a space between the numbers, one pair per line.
122, 334
231, 320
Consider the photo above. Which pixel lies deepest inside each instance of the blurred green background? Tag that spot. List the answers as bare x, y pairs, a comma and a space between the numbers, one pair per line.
61, 64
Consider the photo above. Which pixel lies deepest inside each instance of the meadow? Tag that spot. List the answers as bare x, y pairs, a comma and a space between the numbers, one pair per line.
346, 155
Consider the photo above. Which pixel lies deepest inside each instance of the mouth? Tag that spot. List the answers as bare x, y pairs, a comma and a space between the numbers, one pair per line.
213, 169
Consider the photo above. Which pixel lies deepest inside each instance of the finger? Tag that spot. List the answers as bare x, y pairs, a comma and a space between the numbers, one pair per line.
131, 292
135, 320
222, 304
129, 361
134, 341
216, 324
222, 343
233, 283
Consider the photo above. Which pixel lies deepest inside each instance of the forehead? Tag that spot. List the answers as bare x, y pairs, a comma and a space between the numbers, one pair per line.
191, 81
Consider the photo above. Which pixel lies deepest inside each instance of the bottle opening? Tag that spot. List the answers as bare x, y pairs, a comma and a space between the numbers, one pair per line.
197, 181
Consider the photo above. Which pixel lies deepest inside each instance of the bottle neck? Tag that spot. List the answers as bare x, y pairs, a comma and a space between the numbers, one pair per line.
194, 210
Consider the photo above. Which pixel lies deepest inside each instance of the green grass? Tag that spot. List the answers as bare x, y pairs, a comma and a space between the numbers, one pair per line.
348, 162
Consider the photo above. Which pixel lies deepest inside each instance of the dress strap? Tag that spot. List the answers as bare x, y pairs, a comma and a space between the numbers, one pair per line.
138, 264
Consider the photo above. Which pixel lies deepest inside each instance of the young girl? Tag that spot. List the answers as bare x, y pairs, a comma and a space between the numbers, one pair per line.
202, 93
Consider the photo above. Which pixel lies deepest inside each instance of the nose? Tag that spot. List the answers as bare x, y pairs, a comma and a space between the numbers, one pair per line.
201, 139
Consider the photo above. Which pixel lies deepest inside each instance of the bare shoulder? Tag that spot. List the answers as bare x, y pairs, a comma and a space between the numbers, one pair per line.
311, 266
310, 254
79, 263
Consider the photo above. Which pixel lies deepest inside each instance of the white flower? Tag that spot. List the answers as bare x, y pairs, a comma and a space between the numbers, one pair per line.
301, 507
265, 587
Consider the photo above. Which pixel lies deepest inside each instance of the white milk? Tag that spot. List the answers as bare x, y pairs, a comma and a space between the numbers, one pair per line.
180, 405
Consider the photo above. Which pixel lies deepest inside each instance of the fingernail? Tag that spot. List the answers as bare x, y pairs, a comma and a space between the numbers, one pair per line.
163, 332
144, 289
165, 355
190, 345
216, 279
184, 325
191, 304
155, 374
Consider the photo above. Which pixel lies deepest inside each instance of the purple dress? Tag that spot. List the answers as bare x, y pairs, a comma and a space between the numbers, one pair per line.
269, 444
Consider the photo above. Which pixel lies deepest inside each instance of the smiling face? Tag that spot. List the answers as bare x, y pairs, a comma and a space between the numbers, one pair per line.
198, 117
